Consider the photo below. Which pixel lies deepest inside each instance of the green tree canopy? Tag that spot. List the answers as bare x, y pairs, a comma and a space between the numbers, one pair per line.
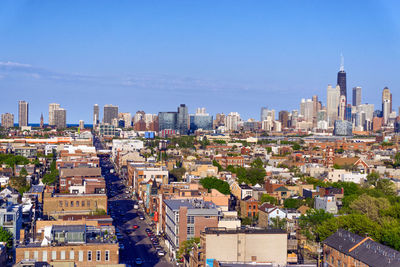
6, 236
215, 183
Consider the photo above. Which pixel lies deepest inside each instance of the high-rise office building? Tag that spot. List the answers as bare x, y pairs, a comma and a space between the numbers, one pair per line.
308, 109
386, 104
110, 113
23, 113
7, 120
284, 118
167, 120
342, 107
332, 103
96, 115
52, 108
201, 120
60, 118
183, 117
341, 79
356, 96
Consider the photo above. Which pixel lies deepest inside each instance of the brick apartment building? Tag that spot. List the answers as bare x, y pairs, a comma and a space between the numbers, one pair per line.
64, 204
186, 218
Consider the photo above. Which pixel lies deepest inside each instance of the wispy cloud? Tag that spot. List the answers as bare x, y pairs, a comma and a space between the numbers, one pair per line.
156, 82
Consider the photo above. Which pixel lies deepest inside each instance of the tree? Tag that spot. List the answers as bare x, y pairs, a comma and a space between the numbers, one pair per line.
246, 221
386, 186
278, 223
6, 236
296, 146
186, 246
257, 163
292, 203
215, 183
177, 173
265, 198
373, 178
23, 172
369, 206
216, 164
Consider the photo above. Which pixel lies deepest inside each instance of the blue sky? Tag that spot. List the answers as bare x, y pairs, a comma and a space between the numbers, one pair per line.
223, 55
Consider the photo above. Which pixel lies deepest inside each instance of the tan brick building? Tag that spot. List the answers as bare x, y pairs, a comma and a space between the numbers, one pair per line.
64, 204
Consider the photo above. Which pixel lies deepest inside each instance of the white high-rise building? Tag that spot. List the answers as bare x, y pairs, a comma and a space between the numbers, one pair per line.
126, 117
386, 104
52, 108
332, 103
231, 121
308, 106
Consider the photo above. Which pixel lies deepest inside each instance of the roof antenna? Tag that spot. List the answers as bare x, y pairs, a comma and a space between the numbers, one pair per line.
341, 62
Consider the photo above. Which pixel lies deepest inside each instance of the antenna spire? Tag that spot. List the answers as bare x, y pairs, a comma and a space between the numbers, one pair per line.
341, 62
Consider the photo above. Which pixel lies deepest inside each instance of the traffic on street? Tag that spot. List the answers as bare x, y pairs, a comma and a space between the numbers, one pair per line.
139, 244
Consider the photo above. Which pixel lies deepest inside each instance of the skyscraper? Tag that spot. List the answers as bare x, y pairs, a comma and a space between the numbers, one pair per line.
284, 118
52, 108
231, 121
342, 108
23, 111
183, 119
332, 103
60, 118
7, 120
96, 115
341, 79
356, 96
110, 113
81, 125
201, 120
386, 104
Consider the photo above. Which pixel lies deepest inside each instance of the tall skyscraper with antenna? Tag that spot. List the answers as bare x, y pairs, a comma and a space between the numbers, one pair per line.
341, 78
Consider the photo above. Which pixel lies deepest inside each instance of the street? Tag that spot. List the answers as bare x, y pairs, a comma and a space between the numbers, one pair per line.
136, 246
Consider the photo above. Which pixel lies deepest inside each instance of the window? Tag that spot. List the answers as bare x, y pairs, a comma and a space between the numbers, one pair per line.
80, 255
83, 203
66, 203
44, 255
26, 255
98, 255
88, 203
71, 255
54, 255
190, 230
72, 203
62, 254
60, 203
36, 255
89, 255
77, 203
190, 219
107, 255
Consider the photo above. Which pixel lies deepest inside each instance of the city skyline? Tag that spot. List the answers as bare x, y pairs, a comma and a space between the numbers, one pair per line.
190, 56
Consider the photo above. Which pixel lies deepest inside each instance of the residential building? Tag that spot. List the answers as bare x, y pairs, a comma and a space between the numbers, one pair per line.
344, 248
7, 120
96, 115
327, 203
23, 113
55, 205
241, 246
52, 108
231, 121
185, 219
11, 218
81, 245
60, 118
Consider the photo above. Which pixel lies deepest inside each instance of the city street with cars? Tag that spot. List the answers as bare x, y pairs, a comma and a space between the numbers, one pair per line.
139, 245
